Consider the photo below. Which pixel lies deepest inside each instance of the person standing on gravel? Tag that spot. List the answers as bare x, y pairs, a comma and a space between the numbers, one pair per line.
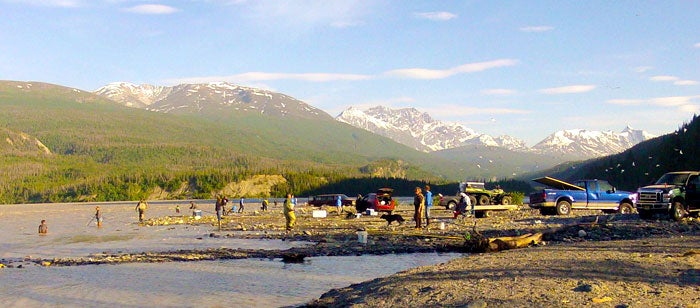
141, 208
98, 217
428, 204
289, 213
193, 207
240, 205
418, 207
264, 204
339, 204
219, 208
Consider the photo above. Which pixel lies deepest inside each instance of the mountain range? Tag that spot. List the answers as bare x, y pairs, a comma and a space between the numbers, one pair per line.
185, 141
209, 98
420, 131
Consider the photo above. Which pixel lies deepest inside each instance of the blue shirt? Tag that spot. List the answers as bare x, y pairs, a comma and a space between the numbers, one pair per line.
338, 201
428, 199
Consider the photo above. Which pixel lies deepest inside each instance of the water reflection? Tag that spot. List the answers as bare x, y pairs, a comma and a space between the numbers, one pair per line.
223, 283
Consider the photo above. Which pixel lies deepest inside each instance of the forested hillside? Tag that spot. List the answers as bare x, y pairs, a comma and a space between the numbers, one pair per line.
99, 150
643, 163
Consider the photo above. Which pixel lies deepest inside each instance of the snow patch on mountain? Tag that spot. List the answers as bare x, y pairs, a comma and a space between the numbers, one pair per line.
213, 97
585, 143
419, 130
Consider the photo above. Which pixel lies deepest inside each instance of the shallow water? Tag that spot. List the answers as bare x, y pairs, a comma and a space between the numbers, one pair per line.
73, 231
223, 283
226, 283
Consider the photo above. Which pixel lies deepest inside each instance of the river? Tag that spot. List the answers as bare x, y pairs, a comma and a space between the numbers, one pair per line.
223, 283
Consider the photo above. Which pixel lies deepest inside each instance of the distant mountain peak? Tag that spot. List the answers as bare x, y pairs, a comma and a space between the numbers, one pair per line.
589, 143
211, 98
419, 130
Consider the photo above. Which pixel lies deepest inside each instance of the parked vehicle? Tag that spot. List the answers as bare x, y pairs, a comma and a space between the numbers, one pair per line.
330, 199
583, 194
675, 194
485, 201
380, 201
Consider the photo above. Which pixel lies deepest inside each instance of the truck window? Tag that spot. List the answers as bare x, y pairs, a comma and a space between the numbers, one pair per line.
693, 183
593, 186
604, 186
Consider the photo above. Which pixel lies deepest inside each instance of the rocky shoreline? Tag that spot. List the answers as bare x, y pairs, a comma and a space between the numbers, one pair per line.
611, 237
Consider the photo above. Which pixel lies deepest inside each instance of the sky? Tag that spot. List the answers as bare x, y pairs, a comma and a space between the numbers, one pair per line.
519, 68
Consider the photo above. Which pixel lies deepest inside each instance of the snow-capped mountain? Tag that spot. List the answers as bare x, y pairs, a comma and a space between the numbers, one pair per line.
419, 130
585, 143
208, 98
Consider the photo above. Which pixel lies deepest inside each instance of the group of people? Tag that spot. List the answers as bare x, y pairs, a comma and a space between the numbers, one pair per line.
422, 203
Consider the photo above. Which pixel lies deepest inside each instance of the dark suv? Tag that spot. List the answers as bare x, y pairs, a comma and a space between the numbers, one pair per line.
329, 199
380, 201
675, 193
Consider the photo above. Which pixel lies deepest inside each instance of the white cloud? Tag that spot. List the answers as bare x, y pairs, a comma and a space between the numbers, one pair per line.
626, 101
152, 9
672, 101
690, 109
416, 73
436, 16
569, 89
682, 104
677, 81
685, 82
303, 14
455, 110
394, 102
536, 29
50, 3
643, 69
424, 73
498, 92
262, 76
663, 78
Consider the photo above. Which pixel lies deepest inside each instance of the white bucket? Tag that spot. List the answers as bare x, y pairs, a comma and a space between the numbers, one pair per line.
442, 225
362, 237
197, 214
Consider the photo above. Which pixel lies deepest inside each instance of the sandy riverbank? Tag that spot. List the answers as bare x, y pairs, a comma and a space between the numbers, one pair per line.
620, 261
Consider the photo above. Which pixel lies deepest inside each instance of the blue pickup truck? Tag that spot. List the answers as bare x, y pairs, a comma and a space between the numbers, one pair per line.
583, 194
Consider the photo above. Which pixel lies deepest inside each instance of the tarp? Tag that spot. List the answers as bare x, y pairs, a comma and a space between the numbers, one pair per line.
558, 184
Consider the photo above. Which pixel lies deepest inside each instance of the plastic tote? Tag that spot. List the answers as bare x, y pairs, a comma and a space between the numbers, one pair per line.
362, 237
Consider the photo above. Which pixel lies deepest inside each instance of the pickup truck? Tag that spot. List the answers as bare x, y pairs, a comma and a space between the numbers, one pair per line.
583, 194
485, 201
675, 194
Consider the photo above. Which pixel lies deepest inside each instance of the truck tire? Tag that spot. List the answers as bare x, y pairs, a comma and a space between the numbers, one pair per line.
360, 207
625, 208
484, 199
677, 211
451, 205
644, 214
546, 211
507, 200
563, 207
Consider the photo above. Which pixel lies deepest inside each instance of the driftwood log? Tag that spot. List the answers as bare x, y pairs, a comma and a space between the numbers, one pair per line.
479, 243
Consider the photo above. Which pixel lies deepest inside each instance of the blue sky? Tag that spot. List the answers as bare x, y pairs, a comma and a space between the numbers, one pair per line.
521, 68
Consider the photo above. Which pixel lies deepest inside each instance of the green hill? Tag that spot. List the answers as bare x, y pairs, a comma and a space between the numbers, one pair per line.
101, 150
